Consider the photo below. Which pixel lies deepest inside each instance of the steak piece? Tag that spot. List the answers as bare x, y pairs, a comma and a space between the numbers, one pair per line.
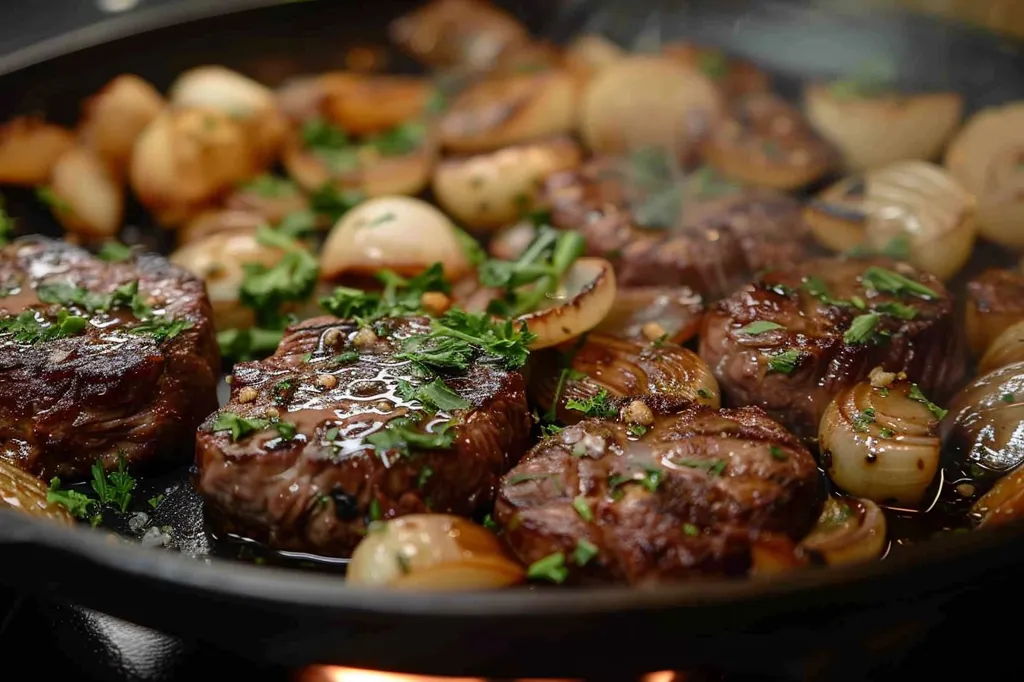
995, 301
686, 499
82, 377
793, 338
317, 490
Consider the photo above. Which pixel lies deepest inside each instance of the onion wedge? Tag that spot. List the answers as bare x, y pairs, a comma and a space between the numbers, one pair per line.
587, 294
850, 530
24, 492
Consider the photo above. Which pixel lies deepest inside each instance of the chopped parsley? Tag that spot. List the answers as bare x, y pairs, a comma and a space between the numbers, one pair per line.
435, 395
816, 287
6, 224
77, 504
599, 405
374, 511
318, 134
584, 552
155, 501
266, 288
400, 140
649, 478
490, 524
885, 432
903, 312
582, 508
898, 248
114, 489
400, 297
68, 294
333, 202
884, 280
784, 362
58, 204
297, 224
713, 63
551, 568
864, 419
458, 336
400, 435
249, 343
1007, 397
28, 328
241, 427
270, 186
114, 252
704, 393
636, 430
528, 281
862, 329
523, 478
777, 453
760, 327
425, 474
550, 429
160, 329
691, 530
715, 466
916, 394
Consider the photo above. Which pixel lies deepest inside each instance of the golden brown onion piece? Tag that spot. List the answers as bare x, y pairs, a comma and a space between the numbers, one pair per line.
537, 55
983, 433
509, 109
737, 78
1005, 349
493, 190
269, 197
837, 216
28, 149
584, 297
624, 368
218, 220
589, 53
1003, 503
398, 233
88, 198
114, 117
671, 314
872, 131
432, 552
994, 302
881, 443
648, 100
765, 141
24, 492
921, 204
849, 531
361, 104
985, 157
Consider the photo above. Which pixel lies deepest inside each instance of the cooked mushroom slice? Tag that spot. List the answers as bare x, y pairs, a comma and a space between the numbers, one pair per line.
1003, 503
1005, 349
995, 301
492, 190
654, 314
648, 100
604, 374
247, 102
985, 157
873, 129
24, 492
459, 33
583, 298
85, 196
509, 109
432, 552
879, 440
397, 233
984, 430
28, 149
363, 105
114, 117
185, 159
837, 216
764, 141
850, 530
921, 205
737, 78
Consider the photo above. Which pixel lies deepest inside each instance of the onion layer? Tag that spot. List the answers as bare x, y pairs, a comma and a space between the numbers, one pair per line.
1004, 502
89, 198
585, 296
114, 117
22, 491
28, 149
432, 552
881, 443
361, 104
399, 233
923, 205
850, 530
1005, 349
670, 314
837, 216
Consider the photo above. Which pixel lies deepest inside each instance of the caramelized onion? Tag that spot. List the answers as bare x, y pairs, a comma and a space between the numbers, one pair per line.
985, 158
28, 149
114, 117
218, 220
510, 243
22, 491
735, 77
648, 100
1004, 502
89, 199
922, 204
625, 369
1006, 349
670, 314
881, 444
873, 131
399, 233
360, 104
837, 215
432, 552
589, 53
492, 190
850, 530
585, 295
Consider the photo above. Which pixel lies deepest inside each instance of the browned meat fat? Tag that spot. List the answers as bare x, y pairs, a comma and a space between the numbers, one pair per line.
82, 377
995, 301
318, 489
682, 500
793, 338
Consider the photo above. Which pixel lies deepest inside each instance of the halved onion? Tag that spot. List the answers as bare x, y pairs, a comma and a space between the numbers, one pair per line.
994, 302
735, 77
218, 220
1003, 503
186, 158
849, 530
432, 552
589, 53
837, 216
270, 197
363, 104
648, 100
671, 314
585, 295
921, 203
510, 243
250, 103
492, 190
1006, 349
28, 149
510, 109
880, 443
872, 131
624, 368
985, 158
399, 233
114, 117
89, 199
24, 492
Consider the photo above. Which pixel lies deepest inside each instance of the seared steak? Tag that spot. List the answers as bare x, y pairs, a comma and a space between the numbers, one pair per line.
685, 499
995, 301
792, 339
306, 477
82, 377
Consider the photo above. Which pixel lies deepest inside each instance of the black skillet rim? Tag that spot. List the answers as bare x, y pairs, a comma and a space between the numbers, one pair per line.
271, 585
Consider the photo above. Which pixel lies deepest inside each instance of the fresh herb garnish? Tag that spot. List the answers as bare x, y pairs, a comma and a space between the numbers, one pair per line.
270, 186
400, 297
114, 489
784, 362
760, 327
160, 329
58, 204
114, 252
319, 134
582, 508
777, 453
862, 329
598, 405
516, 479
527, 281
265, 289
249, 343
916, 394
691, 530
6, 224
28, 328
297, 224
864, 419
904, 312
1007, 397
425, 474
241, 427
435, 395
715, 467
333, 203
882, 279
155, 501
401, 435
885, 432
898, 248
584, 552
816, 287
458, 336
400, 140
490, 524
551, 568
713, 63
77, 504
636, 430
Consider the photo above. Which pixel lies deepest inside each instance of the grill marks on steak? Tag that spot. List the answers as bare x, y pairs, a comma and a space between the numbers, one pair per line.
683, 500
748, 366
66, 402
314, 494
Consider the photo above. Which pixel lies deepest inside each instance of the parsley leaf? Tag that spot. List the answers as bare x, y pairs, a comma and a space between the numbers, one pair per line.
918, 395
551, 568
77, 504
882, 279
265, 289
28, 328
400, 140
58, 204
400, 435
241, 427
599, 405
333, 202
115, 488
864, 419
400, 297
582, 508
6, 225
160, 329
319, 134
760, 327
270, 186
435, 394
785, 362
584, 552
904, 312
114, 252
862, 329
250, 343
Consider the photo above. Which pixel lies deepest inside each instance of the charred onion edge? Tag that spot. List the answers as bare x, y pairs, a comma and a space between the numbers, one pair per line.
580, 313
858, 538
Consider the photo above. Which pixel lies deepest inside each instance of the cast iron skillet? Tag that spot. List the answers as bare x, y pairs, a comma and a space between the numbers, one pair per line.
826, 621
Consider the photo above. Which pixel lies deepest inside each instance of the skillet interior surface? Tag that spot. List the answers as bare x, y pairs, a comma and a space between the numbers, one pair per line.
295, 617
